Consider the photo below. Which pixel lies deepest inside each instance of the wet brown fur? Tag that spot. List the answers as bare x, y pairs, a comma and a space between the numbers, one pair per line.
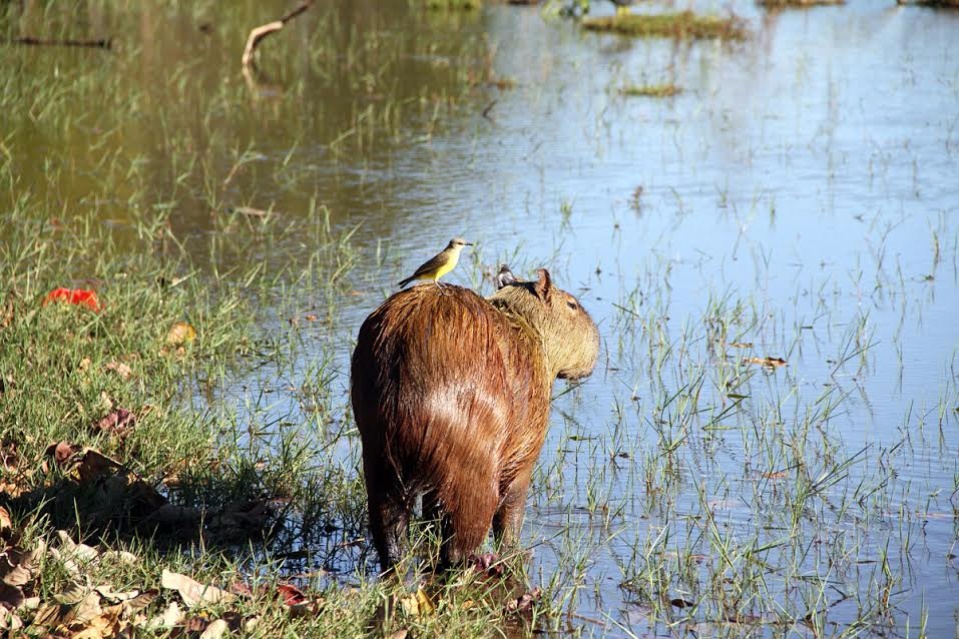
451, 397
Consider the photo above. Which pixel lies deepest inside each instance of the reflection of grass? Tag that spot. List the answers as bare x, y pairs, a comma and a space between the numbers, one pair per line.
944, 4
684, 24
664, 90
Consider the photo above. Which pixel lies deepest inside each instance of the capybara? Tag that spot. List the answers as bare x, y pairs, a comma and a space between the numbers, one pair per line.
451, 395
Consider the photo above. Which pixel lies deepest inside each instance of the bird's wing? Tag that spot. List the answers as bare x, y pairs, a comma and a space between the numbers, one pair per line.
434, 263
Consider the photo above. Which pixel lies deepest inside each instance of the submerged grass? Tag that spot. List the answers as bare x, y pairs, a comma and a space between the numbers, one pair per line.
682, 25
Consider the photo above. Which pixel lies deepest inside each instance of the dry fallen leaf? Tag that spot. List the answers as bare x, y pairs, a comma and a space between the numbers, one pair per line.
144, 599
180, 334
525, 603
119, 422
193, 592
291, 594
72, 550
107, 592
61, 452
215, 630
121, 369
85, 610
11, 596
167, 619
418, 604
5, 522
768, 362
9, 622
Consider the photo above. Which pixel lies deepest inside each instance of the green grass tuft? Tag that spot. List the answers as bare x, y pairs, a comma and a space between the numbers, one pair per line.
681, 25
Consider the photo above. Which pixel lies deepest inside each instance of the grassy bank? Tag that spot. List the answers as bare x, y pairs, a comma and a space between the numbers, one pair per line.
122, 481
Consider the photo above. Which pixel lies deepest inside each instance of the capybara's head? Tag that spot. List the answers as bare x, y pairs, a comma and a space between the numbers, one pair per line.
568, 334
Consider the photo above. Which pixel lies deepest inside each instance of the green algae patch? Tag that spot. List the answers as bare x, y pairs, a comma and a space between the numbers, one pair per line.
680, 25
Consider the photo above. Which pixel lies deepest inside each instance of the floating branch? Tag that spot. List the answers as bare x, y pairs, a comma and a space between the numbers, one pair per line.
257, 34
103, 43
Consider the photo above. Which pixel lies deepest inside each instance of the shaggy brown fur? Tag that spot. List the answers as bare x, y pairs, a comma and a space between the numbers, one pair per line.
451, 397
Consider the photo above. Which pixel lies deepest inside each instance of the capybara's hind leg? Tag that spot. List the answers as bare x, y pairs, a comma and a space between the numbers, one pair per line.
466, 522
508, 521
389, 517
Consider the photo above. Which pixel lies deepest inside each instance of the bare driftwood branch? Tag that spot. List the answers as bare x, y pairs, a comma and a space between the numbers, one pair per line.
260, 32
104, 43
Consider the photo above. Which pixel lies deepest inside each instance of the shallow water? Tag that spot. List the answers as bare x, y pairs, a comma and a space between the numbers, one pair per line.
799, 195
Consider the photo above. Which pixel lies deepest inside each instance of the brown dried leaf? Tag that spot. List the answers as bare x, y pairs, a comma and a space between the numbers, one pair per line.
525, 603
418, 604
17, 576
86, 609
10, 596
121, 369
308, 608
291, 594
107, 592
50, 615
73, 595
398, 634
192, 592
119, 422
141, 601
768, 362
105, 625
95, 464
61, 452
69, 549
180, 334
10, 622
6, 524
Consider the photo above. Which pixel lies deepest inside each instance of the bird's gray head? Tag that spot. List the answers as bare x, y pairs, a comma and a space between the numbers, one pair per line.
458, 242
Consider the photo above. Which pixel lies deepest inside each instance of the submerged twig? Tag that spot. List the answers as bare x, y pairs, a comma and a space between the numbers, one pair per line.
260, 32
102, 43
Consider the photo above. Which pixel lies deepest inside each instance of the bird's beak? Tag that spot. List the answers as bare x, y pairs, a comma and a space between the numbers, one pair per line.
469, 244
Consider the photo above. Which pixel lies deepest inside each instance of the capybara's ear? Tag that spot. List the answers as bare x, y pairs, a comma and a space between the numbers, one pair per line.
544, 286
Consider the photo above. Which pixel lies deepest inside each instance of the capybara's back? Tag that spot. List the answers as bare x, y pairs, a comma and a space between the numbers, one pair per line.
451, 398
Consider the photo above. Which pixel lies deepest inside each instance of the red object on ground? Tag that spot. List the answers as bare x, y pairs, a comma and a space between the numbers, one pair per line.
79, 296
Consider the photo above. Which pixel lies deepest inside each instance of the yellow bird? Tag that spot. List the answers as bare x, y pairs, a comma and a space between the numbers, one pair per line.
440, 264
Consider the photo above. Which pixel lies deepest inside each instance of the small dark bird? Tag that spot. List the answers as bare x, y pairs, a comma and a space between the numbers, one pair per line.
505, 277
